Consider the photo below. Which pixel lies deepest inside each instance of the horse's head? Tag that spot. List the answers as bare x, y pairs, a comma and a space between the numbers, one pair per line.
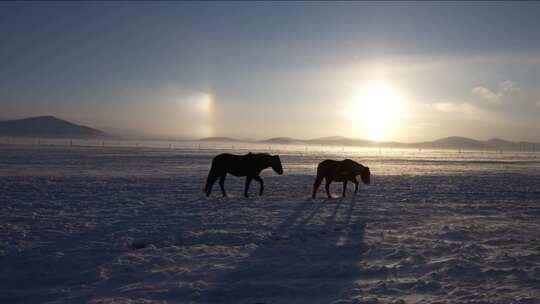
365, 175
276, 164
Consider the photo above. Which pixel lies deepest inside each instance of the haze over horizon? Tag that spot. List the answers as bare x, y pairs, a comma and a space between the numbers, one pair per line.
381, 71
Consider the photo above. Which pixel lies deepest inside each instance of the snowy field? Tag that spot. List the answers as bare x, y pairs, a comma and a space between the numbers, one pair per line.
131, 225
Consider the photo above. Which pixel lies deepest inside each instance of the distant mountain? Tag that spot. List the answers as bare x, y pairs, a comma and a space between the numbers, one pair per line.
48, 126
341, 141
453, 142
499, 142
456, 142
282, 140
331, 138
327, 141
502, 144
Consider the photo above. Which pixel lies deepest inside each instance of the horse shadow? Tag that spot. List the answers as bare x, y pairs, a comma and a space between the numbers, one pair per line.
310, 257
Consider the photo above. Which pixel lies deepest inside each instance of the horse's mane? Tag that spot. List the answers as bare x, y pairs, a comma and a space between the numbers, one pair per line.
355, 163
258, 154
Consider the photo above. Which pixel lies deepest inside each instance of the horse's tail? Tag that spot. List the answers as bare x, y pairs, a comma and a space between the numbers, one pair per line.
322, 167
211, 177
318, 179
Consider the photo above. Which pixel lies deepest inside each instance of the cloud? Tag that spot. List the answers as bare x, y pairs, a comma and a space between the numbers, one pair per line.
450, 107
505, 88
487, 94
538, 103
509, 87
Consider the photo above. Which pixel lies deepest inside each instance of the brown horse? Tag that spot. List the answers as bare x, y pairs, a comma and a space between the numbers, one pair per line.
249, 165
340, 171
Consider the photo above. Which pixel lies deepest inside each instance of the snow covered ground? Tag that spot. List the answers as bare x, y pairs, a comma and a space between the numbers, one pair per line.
131, 225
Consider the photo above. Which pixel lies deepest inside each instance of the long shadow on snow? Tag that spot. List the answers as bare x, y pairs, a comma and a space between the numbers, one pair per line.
310, 257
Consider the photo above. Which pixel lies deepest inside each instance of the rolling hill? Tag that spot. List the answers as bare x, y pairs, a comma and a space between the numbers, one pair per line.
452, 142
48, 126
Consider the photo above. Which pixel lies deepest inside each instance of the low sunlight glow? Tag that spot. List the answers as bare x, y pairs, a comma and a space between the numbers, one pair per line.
377, 111
204, 104
198, 110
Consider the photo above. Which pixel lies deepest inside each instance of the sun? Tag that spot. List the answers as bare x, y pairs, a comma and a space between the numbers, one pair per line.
377, 111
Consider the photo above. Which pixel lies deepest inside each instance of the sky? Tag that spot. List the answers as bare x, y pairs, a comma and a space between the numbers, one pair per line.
401, 71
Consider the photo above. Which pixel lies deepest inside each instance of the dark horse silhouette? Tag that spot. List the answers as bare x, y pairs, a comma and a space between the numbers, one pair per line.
249, 165
340, 171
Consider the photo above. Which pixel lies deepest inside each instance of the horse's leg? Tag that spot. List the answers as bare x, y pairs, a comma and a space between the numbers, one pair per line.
344, 187
316, 185
212, 177
222, 184
355, 185
259, 179
327, 187
248, 182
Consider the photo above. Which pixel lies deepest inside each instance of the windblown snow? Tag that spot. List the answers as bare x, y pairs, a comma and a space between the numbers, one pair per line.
131, 225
